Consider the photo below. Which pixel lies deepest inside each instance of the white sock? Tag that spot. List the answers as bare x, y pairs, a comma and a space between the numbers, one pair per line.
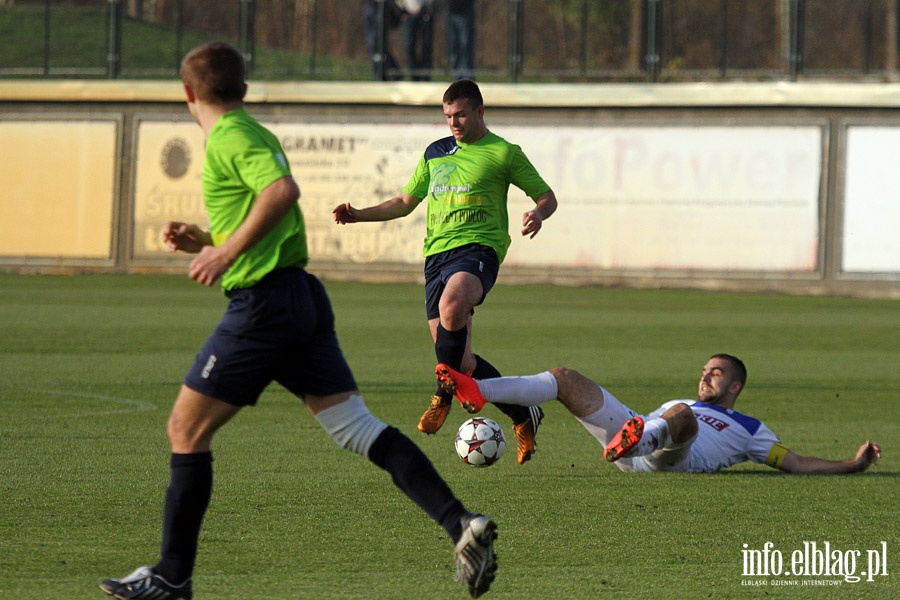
655, 436
351, 425
528, 390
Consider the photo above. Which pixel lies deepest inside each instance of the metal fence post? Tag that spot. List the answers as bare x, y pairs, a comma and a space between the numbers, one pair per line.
114, 38
652, 57
179, 35
890, 41
248, 29
798, 10
380, 40
867, 27
314, 39
516, 42
723, 39
583, 55
46, 37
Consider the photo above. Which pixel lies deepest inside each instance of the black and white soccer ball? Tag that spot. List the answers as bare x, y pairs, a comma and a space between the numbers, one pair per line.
480, 442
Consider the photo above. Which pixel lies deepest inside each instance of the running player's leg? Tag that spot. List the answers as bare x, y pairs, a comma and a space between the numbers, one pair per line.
452, 290
347, 419
229, 372
452, 330
320, 374
194, 420
456, 281
469, 274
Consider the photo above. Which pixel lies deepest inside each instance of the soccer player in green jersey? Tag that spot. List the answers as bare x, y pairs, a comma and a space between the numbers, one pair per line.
279, 326
466, 179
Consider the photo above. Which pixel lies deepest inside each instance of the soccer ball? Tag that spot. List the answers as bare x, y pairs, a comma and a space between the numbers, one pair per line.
480, 442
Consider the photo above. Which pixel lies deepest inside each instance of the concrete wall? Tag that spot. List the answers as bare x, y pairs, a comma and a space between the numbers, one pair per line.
739, 186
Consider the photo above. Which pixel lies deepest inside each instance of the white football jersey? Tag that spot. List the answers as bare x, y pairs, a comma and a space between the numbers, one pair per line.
725, 437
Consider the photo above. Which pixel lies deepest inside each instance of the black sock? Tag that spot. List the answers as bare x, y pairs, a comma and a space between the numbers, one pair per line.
450, 348
485, 370
415, 476
187, 497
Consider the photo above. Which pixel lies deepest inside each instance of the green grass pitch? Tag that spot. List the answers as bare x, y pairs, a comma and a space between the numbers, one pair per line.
89, 367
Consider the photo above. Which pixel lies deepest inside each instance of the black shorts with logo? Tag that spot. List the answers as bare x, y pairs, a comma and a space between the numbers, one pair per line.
476, 259
281, 329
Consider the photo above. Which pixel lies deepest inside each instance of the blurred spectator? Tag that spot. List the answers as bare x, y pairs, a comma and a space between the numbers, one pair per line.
418, 36
378, 29
459, 16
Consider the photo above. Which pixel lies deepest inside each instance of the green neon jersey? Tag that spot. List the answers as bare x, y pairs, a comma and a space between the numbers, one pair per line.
466, 188
242, 159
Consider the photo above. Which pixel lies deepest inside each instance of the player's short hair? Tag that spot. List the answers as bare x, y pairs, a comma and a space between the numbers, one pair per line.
216, 72
464, 89
737, 365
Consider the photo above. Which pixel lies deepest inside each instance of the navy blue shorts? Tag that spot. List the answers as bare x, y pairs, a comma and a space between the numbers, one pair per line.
281, 329
480, 261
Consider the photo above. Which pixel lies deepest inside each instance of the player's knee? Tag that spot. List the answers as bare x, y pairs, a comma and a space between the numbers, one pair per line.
183, 438
351, 425
174, 430
568, 381
576, 392
454, 315
563, 374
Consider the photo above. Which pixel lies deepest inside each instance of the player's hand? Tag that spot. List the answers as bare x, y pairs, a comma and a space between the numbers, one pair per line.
184, 237
531, 223
867, 454
344, 213
210, 264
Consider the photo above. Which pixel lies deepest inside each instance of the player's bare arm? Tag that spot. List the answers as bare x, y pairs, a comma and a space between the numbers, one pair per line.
271, 206
865, 457
395, 208
532, 221
185, 237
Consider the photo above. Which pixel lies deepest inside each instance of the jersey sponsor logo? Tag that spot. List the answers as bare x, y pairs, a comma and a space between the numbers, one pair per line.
749, 423
440, 177
717, 424
458, 216
459, 189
